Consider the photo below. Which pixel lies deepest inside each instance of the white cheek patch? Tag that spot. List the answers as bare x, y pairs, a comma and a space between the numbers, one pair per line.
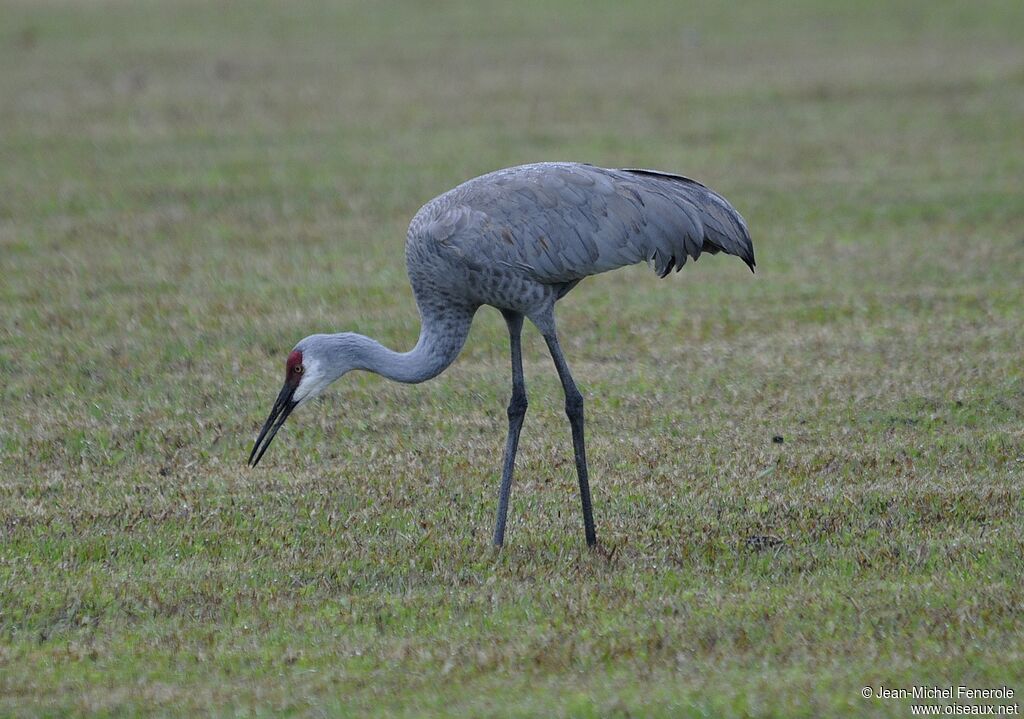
311, 384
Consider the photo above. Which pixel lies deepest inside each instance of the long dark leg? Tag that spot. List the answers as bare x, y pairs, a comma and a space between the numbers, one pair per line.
574, 410
516, 413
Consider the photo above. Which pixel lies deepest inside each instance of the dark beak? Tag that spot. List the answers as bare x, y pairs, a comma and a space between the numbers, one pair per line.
282, 408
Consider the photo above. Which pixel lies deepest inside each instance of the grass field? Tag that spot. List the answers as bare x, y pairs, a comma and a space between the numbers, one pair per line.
187, 189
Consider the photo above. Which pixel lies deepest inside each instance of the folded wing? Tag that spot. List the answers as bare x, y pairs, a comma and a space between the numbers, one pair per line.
561, 222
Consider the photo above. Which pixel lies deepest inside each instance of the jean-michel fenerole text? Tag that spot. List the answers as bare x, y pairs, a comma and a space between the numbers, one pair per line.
943, 692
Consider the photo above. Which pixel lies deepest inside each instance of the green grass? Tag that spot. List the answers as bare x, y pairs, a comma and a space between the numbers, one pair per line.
187, 189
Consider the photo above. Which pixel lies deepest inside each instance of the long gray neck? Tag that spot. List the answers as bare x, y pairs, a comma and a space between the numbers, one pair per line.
441, 339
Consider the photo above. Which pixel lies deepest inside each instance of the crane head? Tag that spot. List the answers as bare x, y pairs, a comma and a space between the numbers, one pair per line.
310, 368
290, 397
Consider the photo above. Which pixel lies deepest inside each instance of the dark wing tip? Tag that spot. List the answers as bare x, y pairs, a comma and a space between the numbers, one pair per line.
747, 243
663, 176
668, 268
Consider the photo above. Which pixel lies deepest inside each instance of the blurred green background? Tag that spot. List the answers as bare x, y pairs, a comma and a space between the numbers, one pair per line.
188, 188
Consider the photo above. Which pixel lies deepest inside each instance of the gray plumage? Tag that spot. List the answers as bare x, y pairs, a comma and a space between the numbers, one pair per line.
520, 239
557, 223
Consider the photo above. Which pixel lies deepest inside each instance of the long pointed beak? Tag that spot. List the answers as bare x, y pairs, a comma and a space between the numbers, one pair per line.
283, 407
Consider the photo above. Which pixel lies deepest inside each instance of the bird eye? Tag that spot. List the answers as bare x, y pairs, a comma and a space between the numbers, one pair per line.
298, 369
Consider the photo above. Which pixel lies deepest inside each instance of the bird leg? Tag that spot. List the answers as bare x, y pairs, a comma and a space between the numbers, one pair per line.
574, 410
516, 414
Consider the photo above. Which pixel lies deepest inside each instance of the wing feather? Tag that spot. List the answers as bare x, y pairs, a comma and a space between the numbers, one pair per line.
561, 222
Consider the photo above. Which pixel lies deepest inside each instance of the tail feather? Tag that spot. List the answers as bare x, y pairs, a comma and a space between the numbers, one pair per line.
718, 224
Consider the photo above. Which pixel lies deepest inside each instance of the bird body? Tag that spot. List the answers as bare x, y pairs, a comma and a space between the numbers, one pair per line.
515, 237
520, 239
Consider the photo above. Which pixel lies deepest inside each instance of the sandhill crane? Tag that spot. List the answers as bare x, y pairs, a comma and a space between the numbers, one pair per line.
520, 239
